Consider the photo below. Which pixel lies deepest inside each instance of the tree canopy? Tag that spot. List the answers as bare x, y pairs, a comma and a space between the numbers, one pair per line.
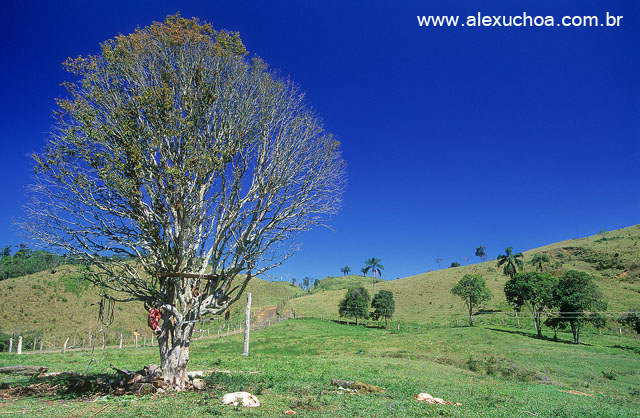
355, 304
579, 301
511, 262
534, 290
480, 252
473, 290
175, 150
383, 305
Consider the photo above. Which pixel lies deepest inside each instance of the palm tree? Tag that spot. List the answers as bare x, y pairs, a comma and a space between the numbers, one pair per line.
363, 270
511, 262
480, 252
345, 270
538, 261
376, 268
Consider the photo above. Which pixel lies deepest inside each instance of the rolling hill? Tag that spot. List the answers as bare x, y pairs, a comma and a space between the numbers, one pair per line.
612, 258
61, 304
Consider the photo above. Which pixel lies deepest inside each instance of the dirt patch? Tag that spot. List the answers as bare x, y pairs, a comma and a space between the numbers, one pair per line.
575, 392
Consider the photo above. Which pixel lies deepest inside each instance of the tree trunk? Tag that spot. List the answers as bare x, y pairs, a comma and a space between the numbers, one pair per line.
470, 315
538, 325
575, 330
174, 353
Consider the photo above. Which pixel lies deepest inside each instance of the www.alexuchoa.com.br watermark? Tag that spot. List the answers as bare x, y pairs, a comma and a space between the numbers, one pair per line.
524, 20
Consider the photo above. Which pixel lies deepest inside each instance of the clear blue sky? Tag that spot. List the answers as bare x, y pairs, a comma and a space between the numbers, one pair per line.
454, 137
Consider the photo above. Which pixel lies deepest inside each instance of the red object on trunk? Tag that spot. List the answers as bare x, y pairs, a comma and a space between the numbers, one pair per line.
154, 319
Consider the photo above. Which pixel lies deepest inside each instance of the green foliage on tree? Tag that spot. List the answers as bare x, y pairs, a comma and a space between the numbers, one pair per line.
373, 265
27, 261
305, 283
539, 261
473, 290
511, 262
355, 304
345, 270
383, 306
631, 319
579, 301
534, 290
173, 147
480, 252
454, 264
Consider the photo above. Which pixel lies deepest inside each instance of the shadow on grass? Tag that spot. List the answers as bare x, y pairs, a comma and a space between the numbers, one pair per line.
374, 326
635, 350
535, 336
63, 386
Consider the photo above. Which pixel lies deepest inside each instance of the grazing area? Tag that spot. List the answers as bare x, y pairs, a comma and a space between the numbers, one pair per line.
292, 364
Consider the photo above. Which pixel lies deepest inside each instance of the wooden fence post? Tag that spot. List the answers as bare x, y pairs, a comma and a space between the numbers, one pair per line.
54, 342
90, 342
64, 347
41, 345
247, 325
144, 341
34, 343
10, 344
19, 350
120, 341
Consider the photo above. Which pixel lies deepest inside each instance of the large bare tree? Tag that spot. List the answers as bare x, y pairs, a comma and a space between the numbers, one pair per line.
195, 163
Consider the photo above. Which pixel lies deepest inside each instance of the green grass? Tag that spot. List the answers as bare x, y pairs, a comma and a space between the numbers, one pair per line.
291, 366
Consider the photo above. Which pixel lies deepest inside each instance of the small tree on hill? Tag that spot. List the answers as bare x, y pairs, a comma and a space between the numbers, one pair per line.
373, 265
355, 304
383, 306
480, 252
473, 290
345, 270
454, 264
534, 290
539, 261
579, 301
511, 262
305, 283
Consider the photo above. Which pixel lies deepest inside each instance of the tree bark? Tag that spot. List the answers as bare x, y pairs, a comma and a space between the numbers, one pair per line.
174, 343
575, 330
470, 314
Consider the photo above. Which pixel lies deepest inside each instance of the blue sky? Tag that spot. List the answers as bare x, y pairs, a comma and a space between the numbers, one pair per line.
454, 137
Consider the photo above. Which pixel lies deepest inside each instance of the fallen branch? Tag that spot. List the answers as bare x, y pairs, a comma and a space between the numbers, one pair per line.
27, 370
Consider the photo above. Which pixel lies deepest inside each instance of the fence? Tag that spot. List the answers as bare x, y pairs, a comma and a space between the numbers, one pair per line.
121, 341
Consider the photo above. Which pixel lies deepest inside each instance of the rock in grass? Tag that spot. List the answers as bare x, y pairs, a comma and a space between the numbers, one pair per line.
425, 397
199, 384
240, 398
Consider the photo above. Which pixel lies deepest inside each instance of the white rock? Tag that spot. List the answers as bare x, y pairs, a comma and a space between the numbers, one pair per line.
240, 398
423, 396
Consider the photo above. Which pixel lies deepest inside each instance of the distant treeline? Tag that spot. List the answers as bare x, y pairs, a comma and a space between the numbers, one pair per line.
27, 261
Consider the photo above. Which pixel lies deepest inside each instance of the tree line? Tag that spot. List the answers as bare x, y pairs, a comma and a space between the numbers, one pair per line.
357, 304
570, 301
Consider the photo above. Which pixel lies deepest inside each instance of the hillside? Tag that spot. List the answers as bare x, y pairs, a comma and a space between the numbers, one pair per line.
612, 258
62, 304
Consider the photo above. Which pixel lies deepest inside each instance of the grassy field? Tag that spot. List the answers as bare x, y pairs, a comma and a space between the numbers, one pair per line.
292, 363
